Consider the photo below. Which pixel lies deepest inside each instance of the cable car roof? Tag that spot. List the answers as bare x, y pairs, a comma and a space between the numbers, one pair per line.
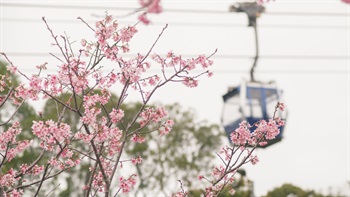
255, 89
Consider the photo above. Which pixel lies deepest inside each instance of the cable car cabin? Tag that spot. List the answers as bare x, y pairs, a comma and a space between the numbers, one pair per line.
251, 101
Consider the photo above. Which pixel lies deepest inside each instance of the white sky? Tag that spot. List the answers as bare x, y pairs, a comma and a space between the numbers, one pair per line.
307, 54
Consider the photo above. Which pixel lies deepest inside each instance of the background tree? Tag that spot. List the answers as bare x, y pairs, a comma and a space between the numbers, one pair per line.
242, 187
289, 190
180, 155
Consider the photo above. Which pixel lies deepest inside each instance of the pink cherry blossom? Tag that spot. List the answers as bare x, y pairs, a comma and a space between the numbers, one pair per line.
254, 159
127, 33
164, 130
138, 138
190, 82
241, 135
14, 193
127, 184
116, 115
8, 179
50, 133
281, 106
12, 69
143, 18
37, 169
153, 6
9, 136
232, 191
169, 123
137, 160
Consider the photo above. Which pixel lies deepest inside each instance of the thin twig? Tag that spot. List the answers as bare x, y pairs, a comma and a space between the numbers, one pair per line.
53, 190
91, 178
8, 60
32, 165
79, 18
155, 42
7, 96
55, 38
13, 114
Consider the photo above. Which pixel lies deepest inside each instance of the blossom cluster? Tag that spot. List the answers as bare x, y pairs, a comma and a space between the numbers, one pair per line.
264, 131
185, 66
152, 6
127, 184
244, 142
51, 133
9, 146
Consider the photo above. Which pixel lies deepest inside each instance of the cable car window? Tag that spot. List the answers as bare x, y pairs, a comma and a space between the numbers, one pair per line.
231, 110
253, 108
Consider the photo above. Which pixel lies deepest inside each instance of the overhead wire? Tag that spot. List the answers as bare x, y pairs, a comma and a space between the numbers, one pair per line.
58, 6
224, 71
187, 24
192, 11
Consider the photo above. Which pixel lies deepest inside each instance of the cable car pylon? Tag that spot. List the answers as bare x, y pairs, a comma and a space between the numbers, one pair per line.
252, 100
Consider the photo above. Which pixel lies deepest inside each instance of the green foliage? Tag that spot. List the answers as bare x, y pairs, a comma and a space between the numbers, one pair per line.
242, 186
182, 154
291, 190
12, 80
52, 108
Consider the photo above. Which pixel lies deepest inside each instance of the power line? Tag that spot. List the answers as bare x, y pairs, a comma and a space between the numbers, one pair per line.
191, 11
188, 24
56, 6
217, 56
268, 13
308, 13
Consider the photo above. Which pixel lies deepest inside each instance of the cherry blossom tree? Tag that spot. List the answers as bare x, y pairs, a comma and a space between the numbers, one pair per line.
104, 137
102, 134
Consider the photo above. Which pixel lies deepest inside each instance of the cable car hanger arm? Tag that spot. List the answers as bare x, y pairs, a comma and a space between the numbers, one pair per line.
253, 11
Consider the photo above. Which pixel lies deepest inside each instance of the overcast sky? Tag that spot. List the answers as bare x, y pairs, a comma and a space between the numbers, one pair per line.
304, 47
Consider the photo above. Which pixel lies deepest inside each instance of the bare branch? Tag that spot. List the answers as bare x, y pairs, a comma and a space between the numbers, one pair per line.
79, 18
4, 99
13, 115
155, 42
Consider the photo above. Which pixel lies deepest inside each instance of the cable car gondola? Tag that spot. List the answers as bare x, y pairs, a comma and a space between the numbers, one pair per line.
251, 101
